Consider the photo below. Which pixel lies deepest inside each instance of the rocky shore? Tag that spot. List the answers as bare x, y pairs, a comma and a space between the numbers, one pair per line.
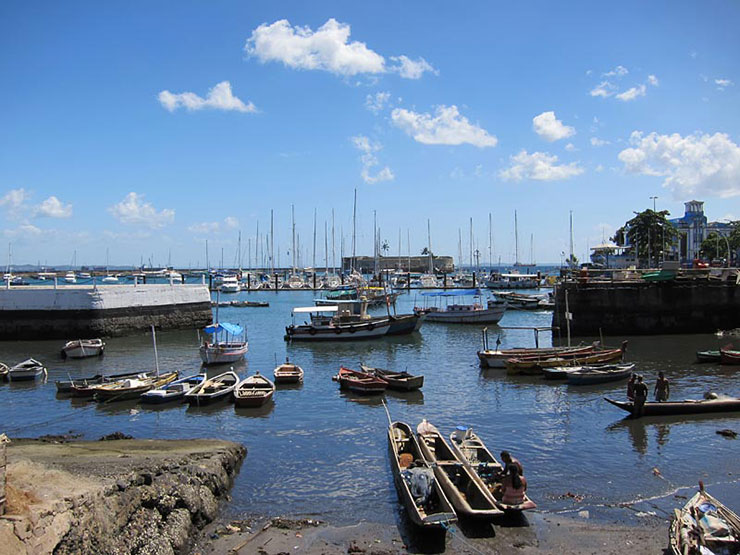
121, 496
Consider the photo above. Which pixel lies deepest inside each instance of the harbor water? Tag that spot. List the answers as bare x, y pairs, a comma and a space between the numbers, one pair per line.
317, 452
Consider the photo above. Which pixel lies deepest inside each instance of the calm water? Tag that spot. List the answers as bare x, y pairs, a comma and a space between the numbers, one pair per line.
318, 451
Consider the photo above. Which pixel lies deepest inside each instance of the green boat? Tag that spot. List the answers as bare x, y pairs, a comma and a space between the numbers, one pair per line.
708, 356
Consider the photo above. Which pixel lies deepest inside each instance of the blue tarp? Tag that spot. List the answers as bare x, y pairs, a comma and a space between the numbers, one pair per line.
233, 329
451, 293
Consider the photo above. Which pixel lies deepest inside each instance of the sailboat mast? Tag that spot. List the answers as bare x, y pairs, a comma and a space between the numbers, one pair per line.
313, 261
399, 250
516, 240
429, 242
471, 243
490, 241
459, 249
354, 229
239, 252
326, 248
292, 210
375, 242
570, 262
333, 250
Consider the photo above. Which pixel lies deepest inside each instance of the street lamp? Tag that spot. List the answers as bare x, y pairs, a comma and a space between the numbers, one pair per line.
653, 199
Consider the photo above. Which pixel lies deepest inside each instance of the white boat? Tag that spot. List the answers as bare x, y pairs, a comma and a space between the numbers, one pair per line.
27, 370
172, 275
70, 277
4, 371
512, 281
218, 388
85, 275
229, 344
458, 313
429, 281
172, 391
288, 373
296, 282
229, 284
110, 279
83, 348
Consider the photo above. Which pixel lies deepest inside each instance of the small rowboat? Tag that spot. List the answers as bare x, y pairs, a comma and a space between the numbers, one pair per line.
288, 373
600, 374
689, 406
360, 382
399, 381
66, 386
728, 356
253, 391
496, 358
131, 388
704, 521
83, 348
535, 365
418, 489
468, 496
471, 450
708, 356
28, 370
173, 391
218, 388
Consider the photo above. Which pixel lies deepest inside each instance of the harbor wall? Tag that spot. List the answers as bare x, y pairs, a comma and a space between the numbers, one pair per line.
71, 311
647, 308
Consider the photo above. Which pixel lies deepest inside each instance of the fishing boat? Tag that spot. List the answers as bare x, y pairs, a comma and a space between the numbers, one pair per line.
458, 313
131, 388
83, 348
426, 503
228, 344
209, 391
253, 391
399, 381
708, 356
288, 373
496, 358
85, 385
336, 323
521, 301
729, 356
497, 280
687, 406
468, 496
599, 374
704, 525
470, 449
360, 382
173, 391
534, 365
402, 324
28, 370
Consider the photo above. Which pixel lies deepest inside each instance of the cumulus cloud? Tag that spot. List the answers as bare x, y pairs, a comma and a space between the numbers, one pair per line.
133, 210
653, 80
570, 147
539, 166
632, 93
377, 102
219, 97
595, 141
547, 126
208, 228
14, 200
327, 49
722, 84
52, 207
695, 165
446, 127
370, 160
608, 88
619, 71
604, 89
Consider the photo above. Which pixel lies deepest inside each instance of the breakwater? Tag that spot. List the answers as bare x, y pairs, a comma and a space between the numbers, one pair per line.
88, 311
647, 308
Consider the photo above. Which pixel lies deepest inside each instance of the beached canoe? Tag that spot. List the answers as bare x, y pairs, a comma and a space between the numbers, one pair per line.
399, 381
418, 489
688, 406
28, 370
253, 391
534, 365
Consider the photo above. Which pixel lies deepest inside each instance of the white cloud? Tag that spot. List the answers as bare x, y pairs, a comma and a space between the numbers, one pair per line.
133, 210
231, 222
632, 93
369, 160
570, 147
538, 166
208, 228
377, 102
219, 97
595, 141
13, 200
653, 80
599, 168
604, 89
446, 127
547, 126
695, 165
619, 71
411, 69
722, 84
53, 208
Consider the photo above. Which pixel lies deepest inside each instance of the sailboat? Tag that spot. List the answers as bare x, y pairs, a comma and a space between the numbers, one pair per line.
70, 276
108, 277
517, 262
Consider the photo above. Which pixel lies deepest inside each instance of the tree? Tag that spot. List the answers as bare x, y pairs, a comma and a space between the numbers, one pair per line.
385, 247
425, 251
650, 232
716, 245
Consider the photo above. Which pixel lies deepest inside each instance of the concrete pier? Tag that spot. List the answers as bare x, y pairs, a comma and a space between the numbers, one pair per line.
74, 311
647, 308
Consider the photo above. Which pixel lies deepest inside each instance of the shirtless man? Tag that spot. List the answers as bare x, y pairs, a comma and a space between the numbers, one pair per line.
662, 388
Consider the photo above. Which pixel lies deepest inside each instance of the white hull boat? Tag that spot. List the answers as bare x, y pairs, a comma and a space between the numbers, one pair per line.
27, 370
83, 348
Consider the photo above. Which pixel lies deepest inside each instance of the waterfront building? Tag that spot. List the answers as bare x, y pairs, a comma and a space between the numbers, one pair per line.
694, 228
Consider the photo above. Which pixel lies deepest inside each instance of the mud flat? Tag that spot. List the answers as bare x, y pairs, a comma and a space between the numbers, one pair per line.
119, 496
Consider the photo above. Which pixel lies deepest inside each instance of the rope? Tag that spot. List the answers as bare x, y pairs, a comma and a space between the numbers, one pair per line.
461, 539
387, 412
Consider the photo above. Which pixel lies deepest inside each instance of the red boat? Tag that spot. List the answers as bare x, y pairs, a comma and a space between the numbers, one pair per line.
360, 382
728, 356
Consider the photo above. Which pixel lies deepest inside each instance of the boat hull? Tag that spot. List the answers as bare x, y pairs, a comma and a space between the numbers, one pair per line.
483, 316
669, 408
83, 349
586, 377
405, 323
223, 355
349, 332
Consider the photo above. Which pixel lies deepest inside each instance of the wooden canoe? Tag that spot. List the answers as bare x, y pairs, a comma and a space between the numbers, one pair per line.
688, 406
86, 384
360, 382
600, 374
429, 512
535, 365
496, 358
470, 449
704, 521
468, 496
131, 388
218, 388
398, 381
173, 391
253, 391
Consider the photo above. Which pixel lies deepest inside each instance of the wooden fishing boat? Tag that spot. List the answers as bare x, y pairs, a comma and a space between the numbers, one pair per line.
399, 381
468, 496
83, 348
229, 344
688, 406
215, 389
402, 324
704, 522
708, 356
131, 388
253, 391
470, 449
729, 356
288, 373
173, 391
360, 382
521, 301
337, 323
427, 507
66, 386
600, 374
559, 372
534, 365
4, 371
28, 370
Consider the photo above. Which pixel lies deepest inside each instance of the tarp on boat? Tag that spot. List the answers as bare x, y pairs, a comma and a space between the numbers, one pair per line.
307, 309
233, 329
451, 293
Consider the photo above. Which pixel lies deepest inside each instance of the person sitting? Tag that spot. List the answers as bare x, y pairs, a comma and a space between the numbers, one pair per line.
509, 461
513, 487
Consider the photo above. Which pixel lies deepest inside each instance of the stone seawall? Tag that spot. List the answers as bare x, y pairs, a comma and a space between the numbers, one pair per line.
648, 308
111, 310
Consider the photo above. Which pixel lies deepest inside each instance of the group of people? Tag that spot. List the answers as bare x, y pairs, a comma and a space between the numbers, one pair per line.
637, 391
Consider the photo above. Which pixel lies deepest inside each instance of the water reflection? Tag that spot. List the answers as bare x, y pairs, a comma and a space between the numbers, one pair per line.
408, 397
256, 412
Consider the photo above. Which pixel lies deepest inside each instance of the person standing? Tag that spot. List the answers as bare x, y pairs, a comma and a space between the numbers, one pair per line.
631, 387
641, 393
662, 388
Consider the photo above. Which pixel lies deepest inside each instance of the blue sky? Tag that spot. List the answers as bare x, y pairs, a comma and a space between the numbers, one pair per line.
145, 128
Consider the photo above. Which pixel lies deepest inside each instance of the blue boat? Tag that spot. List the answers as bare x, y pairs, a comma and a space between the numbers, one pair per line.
174, 391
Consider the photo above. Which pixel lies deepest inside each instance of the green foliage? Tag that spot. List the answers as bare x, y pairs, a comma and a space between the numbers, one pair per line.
715, 246
650, 232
